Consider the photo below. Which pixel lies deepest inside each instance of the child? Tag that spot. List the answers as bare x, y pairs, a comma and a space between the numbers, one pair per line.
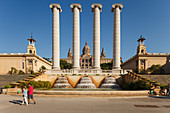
24, 95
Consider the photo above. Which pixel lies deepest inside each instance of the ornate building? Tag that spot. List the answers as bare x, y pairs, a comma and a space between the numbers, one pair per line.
27, 62
86, 59
143, 60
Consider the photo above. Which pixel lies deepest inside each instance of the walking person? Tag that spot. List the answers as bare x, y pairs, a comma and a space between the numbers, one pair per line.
168, 90
24, 90
30, 94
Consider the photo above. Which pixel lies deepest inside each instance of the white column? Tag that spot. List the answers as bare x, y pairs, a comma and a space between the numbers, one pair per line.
76, 9
116, 8
96, 9
56, 36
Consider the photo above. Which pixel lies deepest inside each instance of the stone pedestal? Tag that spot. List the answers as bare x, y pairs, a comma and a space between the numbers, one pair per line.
116, 8
56, 36
96, 9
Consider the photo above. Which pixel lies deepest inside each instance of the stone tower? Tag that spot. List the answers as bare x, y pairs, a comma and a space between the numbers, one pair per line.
69, 55
103, 55
31, 47
141, 49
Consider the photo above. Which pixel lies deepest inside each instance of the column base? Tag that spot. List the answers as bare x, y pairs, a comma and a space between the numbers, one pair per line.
76, 68
97, 68
56, 68
116, 68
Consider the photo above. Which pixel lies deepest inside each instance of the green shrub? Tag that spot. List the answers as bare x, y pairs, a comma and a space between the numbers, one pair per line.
65, 65
137, 85
164, 86
42, 68
156, 69
106, 66
20, 72
73, 74
7, 86
37, 84
13, 71
97, 74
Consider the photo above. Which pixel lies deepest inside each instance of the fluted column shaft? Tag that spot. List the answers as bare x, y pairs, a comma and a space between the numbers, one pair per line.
116, 36
76, 38
96, 36
55, 36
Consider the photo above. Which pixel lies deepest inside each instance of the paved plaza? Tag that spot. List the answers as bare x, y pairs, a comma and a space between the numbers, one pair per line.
70, 104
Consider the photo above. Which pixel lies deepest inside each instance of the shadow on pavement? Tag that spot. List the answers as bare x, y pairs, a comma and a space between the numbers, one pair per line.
16, 102
160, 97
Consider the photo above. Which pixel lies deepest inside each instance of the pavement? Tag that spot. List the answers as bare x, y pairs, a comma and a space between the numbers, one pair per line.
78, 104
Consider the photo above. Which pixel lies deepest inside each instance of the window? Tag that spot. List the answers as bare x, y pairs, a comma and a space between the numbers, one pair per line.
82, 61
35, 62
142, 61
30, 51
30, 61
142, 51
23, 64
86, 60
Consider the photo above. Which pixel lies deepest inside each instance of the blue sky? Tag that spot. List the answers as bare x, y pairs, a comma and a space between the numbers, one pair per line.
20, 18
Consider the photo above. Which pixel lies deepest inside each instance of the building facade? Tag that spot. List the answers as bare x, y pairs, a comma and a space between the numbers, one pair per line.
143, 60
27, 62
86, 59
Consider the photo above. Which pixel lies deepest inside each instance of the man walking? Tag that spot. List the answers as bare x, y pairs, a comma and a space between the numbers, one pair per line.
30, 94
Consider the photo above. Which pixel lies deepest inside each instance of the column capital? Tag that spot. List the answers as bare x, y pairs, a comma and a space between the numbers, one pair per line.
96, 5
56, 5
76, 5
115, 6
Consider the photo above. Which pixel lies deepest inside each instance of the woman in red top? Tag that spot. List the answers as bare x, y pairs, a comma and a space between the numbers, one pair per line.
30, 94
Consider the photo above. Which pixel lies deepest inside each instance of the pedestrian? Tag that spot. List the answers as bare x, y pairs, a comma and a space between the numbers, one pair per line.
30, 94
168, 90
24, 90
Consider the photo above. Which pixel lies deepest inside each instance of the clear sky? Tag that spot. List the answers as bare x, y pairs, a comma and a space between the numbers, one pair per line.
20, 18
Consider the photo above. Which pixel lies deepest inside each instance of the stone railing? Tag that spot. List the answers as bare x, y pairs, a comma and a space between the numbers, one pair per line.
12, 53
86, 71
132, 77
158, 53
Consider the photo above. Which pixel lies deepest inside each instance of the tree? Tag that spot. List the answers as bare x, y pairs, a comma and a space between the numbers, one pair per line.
48, 59
13, 71
42, 68
156, 69
65, 65
106, 66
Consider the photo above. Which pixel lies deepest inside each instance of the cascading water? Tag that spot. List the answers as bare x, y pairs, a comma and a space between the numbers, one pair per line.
110, 82
86, 82
62, 82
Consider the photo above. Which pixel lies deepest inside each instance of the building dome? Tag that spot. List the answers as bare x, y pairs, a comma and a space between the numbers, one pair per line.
86, 50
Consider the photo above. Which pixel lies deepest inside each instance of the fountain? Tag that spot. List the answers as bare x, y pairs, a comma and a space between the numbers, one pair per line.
86, 82
110, 82
62, 82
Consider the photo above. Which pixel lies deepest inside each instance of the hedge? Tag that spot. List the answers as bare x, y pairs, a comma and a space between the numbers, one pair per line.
37, 84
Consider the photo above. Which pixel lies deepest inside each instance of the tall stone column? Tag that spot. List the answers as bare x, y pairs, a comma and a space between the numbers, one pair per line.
76, 9
116, 8
96, 9
56, 36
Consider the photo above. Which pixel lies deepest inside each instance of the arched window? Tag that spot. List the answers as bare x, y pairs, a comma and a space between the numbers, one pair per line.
30, 51
142, 51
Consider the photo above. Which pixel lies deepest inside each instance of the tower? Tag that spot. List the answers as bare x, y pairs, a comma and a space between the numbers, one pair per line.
69, 55
103, 55
31, 47
141, 49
